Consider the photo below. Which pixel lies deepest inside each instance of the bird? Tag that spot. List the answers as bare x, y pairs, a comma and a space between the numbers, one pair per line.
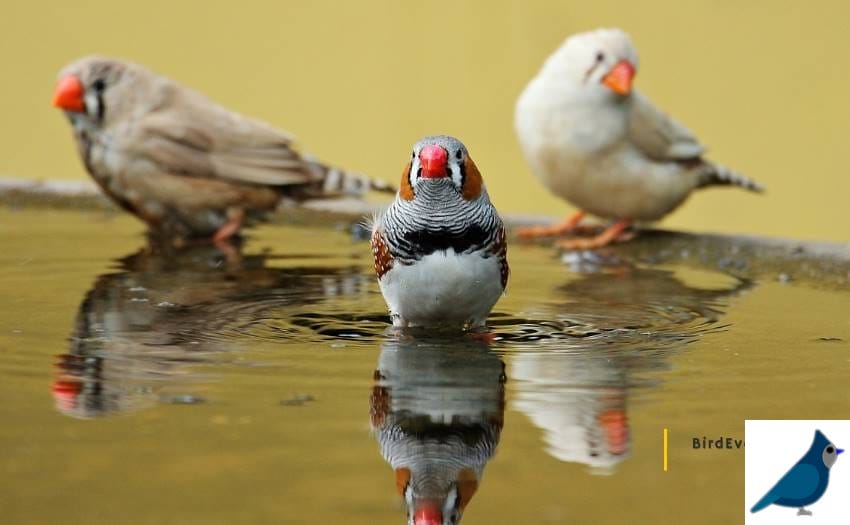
437, 411
440, 251
603, 146
807, 480
183, 164
163, 308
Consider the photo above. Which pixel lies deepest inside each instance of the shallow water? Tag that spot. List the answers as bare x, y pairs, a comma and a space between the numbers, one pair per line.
266, 387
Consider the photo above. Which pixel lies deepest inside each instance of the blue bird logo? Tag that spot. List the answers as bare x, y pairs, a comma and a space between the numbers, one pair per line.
806, 482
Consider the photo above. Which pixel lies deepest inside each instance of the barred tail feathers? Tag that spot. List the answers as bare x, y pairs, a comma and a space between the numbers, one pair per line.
717, 175
334, 181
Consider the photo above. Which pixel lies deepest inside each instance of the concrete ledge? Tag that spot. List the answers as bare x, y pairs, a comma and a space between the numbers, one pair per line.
821, 263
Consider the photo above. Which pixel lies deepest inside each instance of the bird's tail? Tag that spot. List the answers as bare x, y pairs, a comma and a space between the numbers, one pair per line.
760, 505
336, 182
768, 499
717, 175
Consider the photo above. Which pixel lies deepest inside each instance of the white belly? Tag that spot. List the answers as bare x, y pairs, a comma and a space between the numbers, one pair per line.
443, 288
582, 154
622, 184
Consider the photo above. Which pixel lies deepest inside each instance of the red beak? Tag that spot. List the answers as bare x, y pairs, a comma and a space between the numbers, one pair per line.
428, 513
69, 94
619, 79
433, 158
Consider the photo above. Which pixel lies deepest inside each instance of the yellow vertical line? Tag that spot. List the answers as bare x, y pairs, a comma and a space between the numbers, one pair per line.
665, 450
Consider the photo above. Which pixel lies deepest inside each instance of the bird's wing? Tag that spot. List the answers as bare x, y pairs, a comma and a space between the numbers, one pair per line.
658, 136
797, 483
190, 135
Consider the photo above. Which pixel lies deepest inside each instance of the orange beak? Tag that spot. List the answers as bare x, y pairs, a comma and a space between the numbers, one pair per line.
615, 423
619, 79
69, 94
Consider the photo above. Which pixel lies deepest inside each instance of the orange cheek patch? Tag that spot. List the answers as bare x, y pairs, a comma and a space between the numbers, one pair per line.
467, 484
405, 190
402, 478
472, 182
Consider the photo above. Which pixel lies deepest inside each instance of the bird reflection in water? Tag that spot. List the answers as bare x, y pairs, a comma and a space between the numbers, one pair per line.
164, 309
576, 389
437, 410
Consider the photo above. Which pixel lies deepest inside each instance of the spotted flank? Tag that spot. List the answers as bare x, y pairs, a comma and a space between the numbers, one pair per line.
381, 254
500, 251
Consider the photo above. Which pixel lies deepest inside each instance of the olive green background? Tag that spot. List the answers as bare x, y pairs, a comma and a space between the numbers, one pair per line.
763, 83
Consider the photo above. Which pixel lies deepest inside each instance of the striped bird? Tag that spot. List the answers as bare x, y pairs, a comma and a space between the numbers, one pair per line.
184, 165
598, 144
440, 250
437, 411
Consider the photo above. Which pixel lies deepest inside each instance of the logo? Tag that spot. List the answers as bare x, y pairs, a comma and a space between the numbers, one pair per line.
792, 469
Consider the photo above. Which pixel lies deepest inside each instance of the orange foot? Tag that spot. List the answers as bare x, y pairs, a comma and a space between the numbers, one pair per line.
483, 337
568, 225
617, 232
231, 227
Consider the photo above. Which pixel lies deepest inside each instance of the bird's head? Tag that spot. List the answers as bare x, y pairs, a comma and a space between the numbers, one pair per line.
828, 451
440, 168
601, 63
434, 502
94, 89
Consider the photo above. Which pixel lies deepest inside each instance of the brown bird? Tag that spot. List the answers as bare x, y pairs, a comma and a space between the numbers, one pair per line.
181, 163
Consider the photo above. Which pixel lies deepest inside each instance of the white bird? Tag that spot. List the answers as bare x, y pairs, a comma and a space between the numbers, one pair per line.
599, 144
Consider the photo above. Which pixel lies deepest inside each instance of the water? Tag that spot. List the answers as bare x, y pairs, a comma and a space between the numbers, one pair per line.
197, 386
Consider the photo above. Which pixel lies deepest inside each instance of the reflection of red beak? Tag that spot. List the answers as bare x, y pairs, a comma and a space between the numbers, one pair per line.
619, 79
69, 94
615, 423
433, 160
428, 512
65, 393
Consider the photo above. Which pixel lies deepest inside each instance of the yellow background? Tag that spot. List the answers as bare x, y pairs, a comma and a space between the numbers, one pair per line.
766, 85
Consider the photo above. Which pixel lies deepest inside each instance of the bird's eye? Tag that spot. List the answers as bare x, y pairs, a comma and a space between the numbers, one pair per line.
459, 155
830, 450
600, 56
413, 155
98, 85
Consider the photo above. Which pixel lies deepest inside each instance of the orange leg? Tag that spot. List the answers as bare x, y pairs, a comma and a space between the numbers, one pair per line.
229, 228
483, 337
614, 233
564, 227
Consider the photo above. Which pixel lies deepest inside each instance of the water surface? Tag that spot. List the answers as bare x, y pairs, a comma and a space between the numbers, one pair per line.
143, 385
